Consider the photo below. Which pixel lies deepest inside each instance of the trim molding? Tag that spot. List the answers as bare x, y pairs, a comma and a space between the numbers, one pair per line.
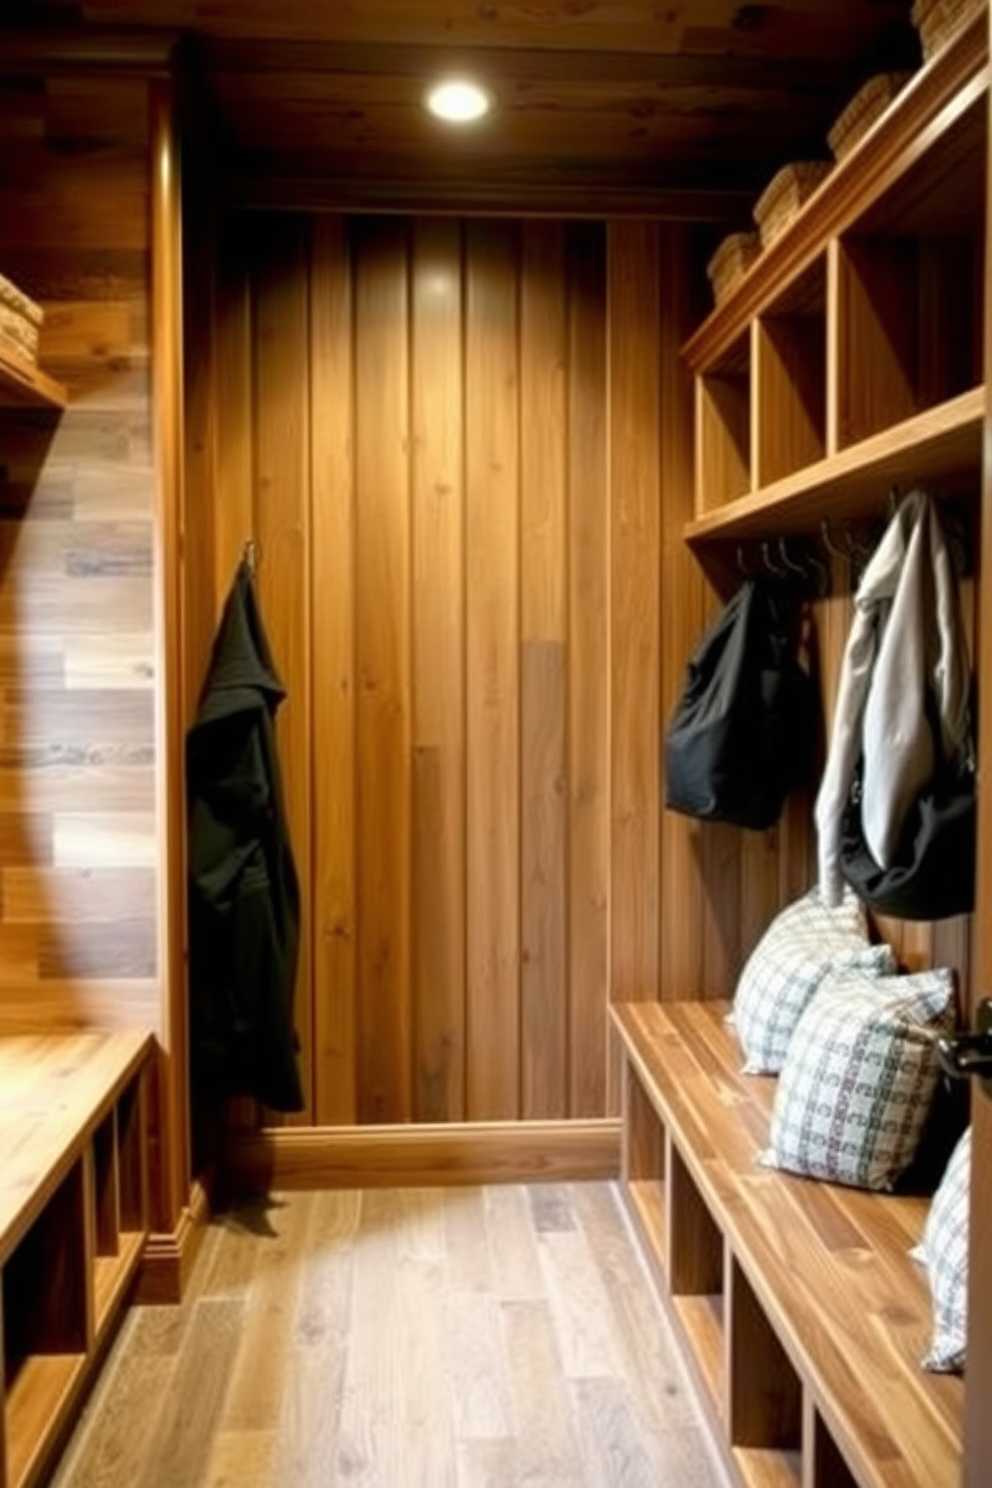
424, 1155
169, 1256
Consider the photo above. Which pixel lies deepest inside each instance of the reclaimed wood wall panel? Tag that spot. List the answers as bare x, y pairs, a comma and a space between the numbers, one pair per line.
332, 557
79, 660
281, 431
382, 577
438, 505
452, 470
492, 436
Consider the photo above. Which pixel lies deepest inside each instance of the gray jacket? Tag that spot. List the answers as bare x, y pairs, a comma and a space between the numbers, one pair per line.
906, 646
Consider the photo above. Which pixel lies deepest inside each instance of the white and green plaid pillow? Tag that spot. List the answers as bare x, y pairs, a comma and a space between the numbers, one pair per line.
859, 1078
801, 948
944, 1252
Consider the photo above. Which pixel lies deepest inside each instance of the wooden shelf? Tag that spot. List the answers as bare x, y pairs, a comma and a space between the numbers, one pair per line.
21, 383
929, 106
702, 1319
761, 1468
944, 442
37, 1402
112, 1275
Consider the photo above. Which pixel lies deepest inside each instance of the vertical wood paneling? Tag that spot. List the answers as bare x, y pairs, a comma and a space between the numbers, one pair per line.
588, 677
234, 450
438, 499
383, 650
332, 556
493, 694
543, 698
282, 529
635, 532
450, 459
681, 616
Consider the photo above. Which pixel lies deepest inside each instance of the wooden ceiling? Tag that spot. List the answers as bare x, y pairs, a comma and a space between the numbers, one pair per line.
681, 109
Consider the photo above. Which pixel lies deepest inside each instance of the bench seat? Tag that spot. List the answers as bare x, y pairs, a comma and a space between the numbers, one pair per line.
73, 1223
802, 1315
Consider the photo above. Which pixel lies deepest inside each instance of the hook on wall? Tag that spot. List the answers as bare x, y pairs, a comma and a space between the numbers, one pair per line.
249, 556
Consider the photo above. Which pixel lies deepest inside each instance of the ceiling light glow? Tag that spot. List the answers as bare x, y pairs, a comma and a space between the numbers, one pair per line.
458, 101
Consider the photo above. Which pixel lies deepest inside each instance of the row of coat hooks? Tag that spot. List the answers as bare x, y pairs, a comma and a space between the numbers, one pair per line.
805, 562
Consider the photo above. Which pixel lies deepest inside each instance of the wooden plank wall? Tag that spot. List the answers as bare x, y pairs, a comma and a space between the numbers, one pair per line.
411, 425
78, 844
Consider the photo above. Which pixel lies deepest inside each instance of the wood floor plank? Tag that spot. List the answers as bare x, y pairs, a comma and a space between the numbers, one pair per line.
423, 1338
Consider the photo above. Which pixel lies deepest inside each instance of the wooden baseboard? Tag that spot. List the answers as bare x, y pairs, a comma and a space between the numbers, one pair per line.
168, 1258
412, 1156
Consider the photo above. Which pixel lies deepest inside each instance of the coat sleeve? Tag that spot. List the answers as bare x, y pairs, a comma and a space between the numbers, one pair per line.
845, 746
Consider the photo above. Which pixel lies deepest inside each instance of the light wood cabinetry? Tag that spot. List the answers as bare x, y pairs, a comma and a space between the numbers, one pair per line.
849, 359
73, 1222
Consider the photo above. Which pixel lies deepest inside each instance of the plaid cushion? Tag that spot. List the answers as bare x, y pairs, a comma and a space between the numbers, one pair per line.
860, 1074
945, 1254
799, 950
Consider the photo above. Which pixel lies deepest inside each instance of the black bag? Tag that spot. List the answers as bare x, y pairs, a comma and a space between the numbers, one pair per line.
933, 874
743, 731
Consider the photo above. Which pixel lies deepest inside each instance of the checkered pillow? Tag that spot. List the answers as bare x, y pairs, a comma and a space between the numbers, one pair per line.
860, 1074
799, 950
944, 1252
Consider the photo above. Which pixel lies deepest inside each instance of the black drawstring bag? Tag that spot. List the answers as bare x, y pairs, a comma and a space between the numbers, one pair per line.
933, 874
742, 734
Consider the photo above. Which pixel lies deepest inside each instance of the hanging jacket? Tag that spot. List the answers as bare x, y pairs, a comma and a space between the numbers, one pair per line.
904, 688
244, 905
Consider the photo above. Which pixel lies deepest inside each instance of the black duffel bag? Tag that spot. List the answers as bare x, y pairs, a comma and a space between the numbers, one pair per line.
741, 736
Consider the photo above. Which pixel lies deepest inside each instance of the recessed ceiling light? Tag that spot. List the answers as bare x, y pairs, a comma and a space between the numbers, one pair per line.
458, 101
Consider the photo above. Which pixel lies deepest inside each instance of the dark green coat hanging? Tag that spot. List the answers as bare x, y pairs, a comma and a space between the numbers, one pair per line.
244, 902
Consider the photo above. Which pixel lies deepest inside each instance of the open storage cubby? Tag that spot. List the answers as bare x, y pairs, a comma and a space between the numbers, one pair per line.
910, 275
848, 359
802, 1317
790, 354
723, 423
73, 1222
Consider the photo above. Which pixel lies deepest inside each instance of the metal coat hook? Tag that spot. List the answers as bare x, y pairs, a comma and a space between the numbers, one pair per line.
829, 543
250, 556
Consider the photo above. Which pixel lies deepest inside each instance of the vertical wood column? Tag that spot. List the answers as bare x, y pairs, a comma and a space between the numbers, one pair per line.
173, 1167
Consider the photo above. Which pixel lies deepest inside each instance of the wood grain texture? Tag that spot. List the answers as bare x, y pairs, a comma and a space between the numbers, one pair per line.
492, 676
332, 557
439, 598
382, 413
282, 530
467, 1385
827, 1266
635, 542
457, 638
588, 679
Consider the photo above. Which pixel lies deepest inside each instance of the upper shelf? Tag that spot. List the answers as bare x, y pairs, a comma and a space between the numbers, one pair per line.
944, 441
934, 100
21, 383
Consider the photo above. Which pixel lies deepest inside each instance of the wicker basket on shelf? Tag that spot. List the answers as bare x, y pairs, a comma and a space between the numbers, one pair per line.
785, 194
938, 20
731, 262
867, 105
20, 322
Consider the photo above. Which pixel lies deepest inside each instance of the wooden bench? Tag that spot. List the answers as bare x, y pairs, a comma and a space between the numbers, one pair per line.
801, 1314
73, 1222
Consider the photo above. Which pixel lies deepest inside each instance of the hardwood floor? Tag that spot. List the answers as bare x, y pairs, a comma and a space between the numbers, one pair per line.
419, 1338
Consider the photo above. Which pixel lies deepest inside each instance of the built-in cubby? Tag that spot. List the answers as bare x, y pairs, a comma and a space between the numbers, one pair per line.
848, 360
790, 359
73, 1222
801, 1392
723, 426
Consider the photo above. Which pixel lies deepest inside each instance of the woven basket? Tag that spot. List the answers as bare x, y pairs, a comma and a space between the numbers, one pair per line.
731, 262
867, 105
938, 20
785, 194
